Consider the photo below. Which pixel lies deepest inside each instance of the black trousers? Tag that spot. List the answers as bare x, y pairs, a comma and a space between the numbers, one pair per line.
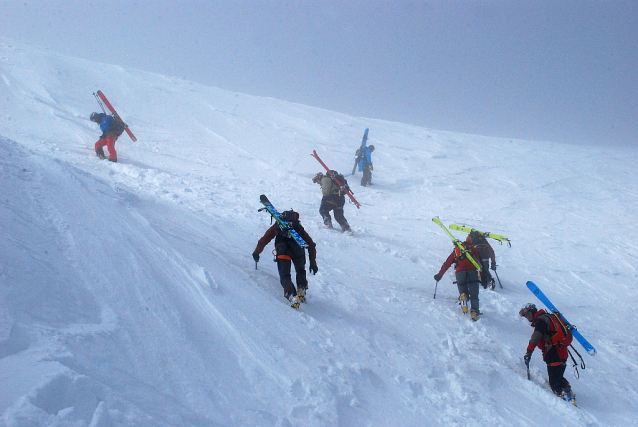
367, 175
334, 203
556, 372
289, 253
468, 283
486, 276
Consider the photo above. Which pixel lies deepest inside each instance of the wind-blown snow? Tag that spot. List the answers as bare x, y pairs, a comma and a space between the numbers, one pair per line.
128, 295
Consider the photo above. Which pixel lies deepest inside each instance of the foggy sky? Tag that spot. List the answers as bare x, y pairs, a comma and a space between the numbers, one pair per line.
564, 70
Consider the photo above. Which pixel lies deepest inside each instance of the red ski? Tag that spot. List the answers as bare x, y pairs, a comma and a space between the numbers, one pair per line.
343, 187
112, 110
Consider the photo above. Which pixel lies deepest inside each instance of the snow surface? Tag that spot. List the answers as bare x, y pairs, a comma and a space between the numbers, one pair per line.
129, 297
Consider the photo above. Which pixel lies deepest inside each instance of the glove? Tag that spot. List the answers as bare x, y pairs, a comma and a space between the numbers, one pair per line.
493, 267
314, 269
256, 257
527, 357
437, 277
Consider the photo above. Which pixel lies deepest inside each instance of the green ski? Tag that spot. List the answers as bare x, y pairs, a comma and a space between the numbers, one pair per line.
484, 233
458, 243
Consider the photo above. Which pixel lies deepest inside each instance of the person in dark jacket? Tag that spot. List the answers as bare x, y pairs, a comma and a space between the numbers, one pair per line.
486, 253
333, 199
110, 133
288, 253
365, 165
467, 277
555, 354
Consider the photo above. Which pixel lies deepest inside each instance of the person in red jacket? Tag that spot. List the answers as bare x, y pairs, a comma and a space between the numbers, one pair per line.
550, 337
288, 253
467, 277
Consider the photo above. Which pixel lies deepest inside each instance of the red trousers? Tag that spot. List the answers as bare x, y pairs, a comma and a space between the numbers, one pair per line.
110, 144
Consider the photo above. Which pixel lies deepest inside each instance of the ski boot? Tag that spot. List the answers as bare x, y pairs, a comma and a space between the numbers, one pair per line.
301, 294
112, 160
463, 302
100, 153
474, 313
293, 301
327, 222
568, 395
492, 285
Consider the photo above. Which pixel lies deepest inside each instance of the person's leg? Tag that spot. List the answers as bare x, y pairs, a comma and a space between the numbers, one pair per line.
110, 143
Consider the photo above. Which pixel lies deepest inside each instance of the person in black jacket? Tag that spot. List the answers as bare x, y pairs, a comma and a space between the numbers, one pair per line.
288, 253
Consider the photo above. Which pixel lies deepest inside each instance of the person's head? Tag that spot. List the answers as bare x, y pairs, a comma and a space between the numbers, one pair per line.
317, 178
95, 117
528, 311
371, 147
473, 237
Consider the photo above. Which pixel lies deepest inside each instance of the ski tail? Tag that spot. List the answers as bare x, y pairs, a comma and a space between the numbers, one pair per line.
498, 237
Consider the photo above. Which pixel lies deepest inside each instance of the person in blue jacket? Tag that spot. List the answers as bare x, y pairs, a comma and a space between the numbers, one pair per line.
111, 130
365, 165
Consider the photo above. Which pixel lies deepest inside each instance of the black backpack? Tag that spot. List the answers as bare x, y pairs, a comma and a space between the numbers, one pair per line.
340, 178
117, 125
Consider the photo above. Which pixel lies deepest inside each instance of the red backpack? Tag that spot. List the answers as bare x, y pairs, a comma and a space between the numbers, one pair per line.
562, 331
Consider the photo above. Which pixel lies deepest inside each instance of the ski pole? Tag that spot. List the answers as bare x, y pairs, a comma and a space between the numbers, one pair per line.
435, 286
256, 265
99, 102
499, 280
528, 376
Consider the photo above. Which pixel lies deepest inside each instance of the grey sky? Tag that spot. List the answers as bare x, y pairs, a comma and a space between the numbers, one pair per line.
561, 70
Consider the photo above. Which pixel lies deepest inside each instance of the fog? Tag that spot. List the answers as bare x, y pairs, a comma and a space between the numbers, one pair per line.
543, 70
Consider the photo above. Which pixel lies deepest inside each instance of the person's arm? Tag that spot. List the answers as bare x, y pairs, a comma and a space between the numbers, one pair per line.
448, 262
261, 244
312, 246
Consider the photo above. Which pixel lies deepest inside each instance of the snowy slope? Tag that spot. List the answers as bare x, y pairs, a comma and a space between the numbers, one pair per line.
128, 296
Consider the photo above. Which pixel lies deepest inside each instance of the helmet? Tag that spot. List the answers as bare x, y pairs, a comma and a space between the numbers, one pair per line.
317, 177
528, 308
371, 147
95, 117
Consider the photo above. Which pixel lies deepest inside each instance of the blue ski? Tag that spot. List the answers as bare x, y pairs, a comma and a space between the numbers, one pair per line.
284, 224
357, 155
541, 296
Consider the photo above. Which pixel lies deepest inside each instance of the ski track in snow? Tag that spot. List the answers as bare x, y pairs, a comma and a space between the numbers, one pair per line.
128, 295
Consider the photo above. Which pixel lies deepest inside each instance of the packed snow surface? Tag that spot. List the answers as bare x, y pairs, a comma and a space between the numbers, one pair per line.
129, 297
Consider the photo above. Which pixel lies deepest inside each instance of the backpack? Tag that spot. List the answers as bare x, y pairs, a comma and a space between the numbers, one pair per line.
117, 125
291, 218
563, 332
340, 178
477, 237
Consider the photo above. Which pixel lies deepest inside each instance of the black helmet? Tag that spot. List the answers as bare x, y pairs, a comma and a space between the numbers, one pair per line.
371, 147
317, 177
528, 308
95, 117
